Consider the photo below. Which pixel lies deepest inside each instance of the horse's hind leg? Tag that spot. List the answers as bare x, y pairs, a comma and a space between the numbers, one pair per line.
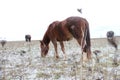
82, 43
63, 49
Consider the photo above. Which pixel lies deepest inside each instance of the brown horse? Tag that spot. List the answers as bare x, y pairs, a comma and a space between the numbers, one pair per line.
72, 27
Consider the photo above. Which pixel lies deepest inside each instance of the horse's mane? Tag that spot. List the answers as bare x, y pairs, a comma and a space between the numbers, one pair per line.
46, 38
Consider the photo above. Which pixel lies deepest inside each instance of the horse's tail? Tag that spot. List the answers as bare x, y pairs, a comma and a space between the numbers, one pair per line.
87, 39
88, 35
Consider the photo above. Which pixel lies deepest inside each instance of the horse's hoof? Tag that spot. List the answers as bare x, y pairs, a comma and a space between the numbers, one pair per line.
57, 57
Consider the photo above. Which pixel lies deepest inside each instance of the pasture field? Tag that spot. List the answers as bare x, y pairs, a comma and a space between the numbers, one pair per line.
20, 60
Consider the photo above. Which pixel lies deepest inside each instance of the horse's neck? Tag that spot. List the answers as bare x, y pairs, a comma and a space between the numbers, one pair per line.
46, 39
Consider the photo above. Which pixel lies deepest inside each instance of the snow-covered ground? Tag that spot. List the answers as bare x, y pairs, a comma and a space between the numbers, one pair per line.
22, 61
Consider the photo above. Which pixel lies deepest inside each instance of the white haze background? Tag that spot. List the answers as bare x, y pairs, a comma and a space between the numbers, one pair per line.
20, 17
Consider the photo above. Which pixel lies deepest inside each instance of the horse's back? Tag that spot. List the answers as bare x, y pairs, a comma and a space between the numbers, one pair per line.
75, 19
66, 29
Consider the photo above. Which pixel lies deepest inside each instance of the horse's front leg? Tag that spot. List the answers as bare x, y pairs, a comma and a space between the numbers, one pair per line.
55, 47
63, 49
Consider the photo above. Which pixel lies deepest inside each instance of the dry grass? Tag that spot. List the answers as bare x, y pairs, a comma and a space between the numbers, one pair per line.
22, 61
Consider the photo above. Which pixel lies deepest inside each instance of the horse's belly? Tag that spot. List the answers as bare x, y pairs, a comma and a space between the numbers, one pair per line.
64, 37
69, 37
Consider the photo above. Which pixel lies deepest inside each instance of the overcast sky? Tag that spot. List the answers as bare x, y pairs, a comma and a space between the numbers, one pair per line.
20, 17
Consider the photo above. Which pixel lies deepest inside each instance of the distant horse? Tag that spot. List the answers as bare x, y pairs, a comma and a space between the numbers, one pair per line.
3, 42
111, 38
72, 27
28, 38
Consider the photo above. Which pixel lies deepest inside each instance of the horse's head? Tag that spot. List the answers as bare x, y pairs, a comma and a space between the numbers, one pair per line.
44, 49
